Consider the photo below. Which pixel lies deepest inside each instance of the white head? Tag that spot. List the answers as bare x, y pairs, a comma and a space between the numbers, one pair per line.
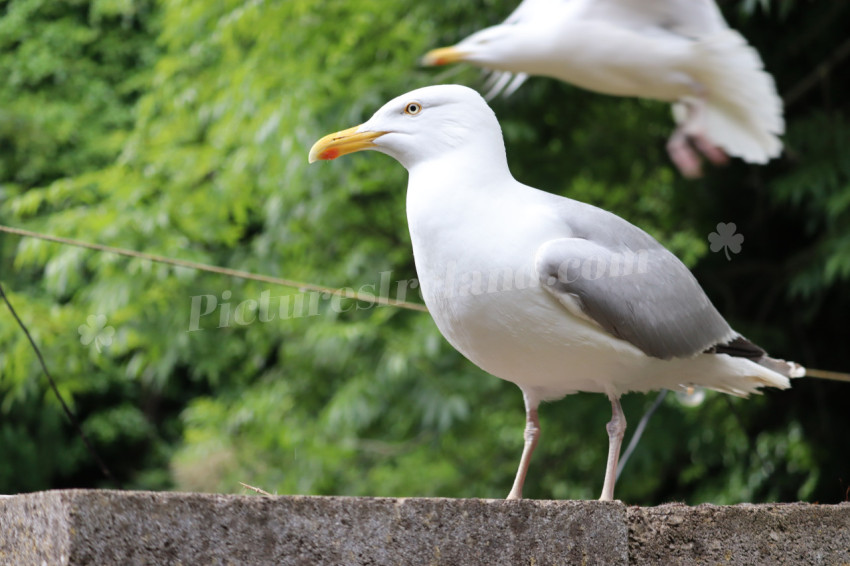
422, 125
516, 48
494, 47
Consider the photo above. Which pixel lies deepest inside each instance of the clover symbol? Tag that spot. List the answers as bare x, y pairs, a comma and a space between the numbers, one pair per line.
95, 330
726, 239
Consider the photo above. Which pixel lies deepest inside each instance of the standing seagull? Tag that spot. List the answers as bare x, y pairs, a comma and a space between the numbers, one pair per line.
552, 294
680, 51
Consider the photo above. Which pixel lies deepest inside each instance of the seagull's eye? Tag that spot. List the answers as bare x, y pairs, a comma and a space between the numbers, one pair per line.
413, 108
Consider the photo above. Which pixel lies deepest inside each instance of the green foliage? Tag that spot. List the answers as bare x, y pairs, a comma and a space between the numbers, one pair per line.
182, 129
67, 96
821, 190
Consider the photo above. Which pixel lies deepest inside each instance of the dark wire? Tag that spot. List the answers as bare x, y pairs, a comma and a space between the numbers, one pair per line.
68, 412
639, 431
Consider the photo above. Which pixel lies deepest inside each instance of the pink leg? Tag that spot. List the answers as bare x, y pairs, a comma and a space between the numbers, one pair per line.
689, 136
616, 429
532, 434
683, 155
708, 149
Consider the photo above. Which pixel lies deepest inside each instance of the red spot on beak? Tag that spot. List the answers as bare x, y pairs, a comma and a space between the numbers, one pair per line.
331, 153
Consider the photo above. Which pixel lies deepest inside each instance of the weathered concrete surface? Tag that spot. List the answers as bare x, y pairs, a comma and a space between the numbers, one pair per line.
795, 533
111, 527
126, 528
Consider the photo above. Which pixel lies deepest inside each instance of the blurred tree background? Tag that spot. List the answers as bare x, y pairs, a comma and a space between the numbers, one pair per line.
182, 128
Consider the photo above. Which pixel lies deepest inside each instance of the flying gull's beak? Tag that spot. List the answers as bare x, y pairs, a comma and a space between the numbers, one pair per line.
443, 56
339, 143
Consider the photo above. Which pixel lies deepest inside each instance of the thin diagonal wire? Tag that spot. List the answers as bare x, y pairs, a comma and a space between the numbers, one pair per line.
103, 468
639, 431
348, 294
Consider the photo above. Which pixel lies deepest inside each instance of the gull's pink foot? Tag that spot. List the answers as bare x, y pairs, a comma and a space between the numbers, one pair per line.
684, 149
683, 155
708, 149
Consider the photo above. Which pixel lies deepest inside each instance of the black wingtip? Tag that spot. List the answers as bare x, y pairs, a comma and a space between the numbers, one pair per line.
740, 347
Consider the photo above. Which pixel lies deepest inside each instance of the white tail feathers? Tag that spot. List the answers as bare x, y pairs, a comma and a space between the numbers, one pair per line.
788, 369
740, 110
741, 376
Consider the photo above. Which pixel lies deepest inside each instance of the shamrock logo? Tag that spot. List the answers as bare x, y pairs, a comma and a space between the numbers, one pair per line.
726, 239
95, 330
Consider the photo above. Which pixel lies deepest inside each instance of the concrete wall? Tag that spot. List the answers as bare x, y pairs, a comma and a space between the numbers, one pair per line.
111, 527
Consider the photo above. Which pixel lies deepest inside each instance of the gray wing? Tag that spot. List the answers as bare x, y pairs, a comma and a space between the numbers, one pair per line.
621, 278
690, 18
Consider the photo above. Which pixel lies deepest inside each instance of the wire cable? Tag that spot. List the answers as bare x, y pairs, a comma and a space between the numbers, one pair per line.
71, 417
349, 294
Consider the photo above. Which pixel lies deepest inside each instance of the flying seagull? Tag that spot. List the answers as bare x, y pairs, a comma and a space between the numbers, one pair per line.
554, 295
680, 51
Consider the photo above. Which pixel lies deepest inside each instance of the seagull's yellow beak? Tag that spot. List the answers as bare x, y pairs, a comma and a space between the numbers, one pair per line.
443, 56
339, 143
